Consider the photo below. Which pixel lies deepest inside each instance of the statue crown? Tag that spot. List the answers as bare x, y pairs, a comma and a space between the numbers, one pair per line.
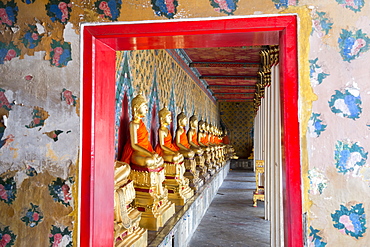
163, 112
138, 101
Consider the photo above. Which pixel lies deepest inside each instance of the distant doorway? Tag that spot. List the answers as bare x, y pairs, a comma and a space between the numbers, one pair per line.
99, 45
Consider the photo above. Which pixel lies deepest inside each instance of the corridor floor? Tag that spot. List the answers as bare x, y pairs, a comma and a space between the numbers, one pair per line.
231, 219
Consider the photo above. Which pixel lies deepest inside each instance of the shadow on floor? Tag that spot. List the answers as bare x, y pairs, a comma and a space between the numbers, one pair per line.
231, 219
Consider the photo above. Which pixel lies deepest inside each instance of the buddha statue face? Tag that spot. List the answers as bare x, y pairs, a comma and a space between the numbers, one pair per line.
201, 125
193, 121
139, 106
165, 116
181, 120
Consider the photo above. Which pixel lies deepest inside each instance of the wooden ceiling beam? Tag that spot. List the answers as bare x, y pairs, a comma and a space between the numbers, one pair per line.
228, 77
224, 64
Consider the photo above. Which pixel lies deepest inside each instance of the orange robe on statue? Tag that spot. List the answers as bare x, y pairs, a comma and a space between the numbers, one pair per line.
142, 140
168, 143
194, 139
184, 139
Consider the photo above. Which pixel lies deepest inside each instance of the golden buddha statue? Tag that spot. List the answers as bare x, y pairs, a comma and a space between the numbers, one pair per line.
126, 218
184, 148
194, 145
176, 184
147, 171
165, 147
203, 143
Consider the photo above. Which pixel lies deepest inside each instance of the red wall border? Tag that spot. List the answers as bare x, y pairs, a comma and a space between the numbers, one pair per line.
99, 43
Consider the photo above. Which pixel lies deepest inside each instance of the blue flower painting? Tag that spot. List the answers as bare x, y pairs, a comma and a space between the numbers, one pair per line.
8, 13
8, 51
31, 38
59, 10
110, 9
352, 44
350, 221
315, 125
167, 8
321, 24
315, 239
317, 74
8, 190
224, 6
285, 3
346, 104
349, 157
354, 5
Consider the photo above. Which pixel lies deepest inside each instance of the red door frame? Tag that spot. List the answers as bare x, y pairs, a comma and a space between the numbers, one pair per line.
99, 46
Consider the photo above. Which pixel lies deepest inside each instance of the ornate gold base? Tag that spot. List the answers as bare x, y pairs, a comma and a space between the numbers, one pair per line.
256, 197
137, 238
176, 184
202, 168
151, 197
192, 174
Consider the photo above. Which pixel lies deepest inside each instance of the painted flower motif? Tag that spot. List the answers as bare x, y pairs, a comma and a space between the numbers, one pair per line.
352, 44
8, 52
350, 221
59, 10
38, 118
7, 237
167, 8
31, 38
4, 102
110, 9
317, 74
33, 216
8, 13
60, 236
314, 239
68, 97
318, 181
8, 190
354, 5
224, 6
28, 1
349, 157
60, 53
321, 24
347, 104
285, 3
61, 192
315, 125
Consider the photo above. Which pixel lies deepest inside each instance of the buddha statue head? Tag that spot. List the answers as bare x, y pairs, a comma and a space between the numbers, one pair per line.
201, 125
139, 106
165, 116
181, 119
193, 121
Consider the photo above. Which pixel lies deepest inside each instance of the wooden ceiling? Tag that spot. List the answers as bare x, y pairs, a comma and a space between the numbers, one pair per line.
230, 73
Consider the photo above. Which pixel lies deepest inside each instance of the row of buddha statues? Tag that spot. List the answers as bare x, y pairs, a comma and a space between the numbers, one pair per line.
151, 181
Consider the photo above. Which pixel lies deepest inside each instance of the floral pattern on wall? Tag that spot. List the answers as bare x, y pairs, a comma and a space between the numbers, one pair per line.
350, 220
7, 237
346, 104
110, 9
8, 51
315, 240
318, 181
39, 115
53, 134
28, 1
59, 10
60, 190
68, 97
354, 5
33, 216
60, 236
284, 3
8, 13
315, 125
31, 38
317, 74
349, 156
321, 25
8, 190
352, 44
167, 8
224, 6
60, 53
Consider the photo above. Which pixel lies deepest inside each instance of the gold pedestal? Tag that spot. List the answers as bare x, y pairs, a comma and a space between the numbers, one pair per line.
151, 197
192, 174
201, 167
177, 185
209, 163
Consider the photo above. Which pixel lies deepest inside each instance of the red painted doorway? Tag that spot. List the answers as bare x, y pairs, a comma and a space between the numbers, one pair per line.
99, 46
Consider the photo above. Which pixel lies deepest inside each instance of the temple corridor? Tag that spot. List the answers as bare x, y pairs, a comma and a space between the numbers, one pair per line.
231, 220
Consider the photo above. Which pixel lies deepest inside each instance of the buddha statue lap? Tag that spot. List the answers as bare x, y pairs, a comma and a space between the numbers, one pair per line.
147, 171
126, 218
184, 148
175, 182
194, 145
